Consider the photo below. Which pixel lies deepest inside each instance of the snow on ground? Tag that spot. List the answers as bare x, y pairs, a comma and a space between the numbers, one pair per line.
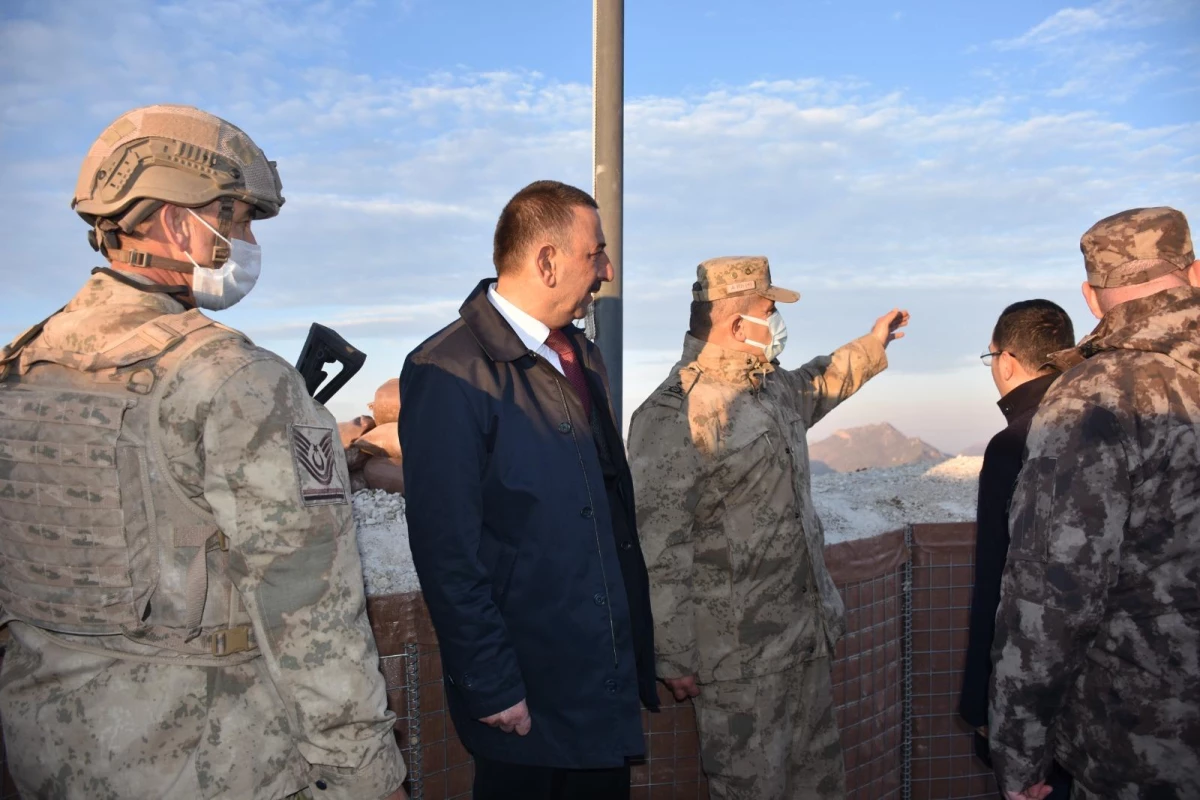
383, 543
857, 505
853, 505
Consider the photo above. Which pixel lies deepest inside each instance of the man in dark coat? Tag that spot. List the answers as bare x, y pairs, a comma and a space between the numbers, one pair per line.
1024, 336
521, 517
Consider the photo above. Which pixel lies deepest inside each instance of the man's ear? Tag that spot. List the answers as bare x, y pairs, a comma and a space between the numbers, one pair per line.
1193, 274
174, 223
1007, 365
1092, 298
736, 328
545, 265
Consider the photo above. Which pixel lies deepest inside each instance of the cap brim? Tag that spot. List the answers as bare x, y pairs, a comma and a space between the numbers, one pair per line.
780, 295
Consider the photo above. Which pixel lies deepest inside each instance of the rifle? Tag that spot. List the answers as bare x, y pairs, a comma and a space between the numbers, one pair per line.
325, 346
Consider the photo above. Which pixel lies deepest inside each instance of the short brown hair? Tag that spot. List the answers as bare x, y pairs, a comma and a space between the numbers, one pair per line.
1033, 329
543, 208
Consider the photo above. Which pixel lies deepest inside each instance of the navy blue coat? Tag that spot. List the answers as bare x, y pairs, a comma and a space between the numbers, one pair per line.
526, 550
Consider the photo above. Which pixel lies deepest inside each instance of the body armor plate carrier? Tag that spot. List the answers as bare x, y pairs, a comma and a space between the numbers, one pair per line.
98, 542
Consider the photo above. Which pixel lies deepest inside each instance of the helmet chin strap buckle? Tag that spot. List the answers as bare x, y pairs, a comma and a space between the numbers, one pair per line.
225, 229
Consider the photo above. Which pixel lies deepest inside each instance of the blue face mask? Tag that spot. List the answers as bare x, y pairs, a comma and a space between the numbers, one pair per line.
778, 330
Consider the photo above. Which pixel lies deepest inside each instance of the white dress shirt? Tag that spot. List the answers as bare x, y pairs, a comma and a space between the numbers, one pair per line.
533, 334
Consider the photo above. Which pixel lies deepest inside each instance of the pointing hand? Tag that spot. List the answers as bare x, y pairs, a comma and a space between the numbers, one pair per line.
887, 327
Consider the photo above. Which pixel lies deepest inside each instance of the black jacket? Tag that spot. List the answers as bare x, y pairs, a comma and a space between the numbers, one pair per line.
1002, 463
523, 535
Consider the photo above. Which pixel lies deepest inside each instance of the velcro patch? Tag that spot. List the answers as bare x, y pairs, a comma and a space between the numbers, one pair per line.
313, 452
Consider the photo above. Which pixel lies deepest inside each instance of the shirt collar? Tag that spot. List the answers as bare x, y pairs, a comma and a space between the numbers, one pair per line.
1027, 396
532, 332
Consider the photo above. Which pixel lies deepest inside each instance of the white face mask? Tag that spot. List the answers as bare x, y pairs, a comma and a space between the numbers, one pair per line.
778, 330
216, 289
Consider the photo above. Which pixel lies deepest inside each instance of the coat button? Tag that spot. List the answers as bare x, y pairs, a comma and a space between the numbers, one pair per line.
626, 545
611, 685
564, 427
322, 785
599, 598
466, 681
586, 513
787, 450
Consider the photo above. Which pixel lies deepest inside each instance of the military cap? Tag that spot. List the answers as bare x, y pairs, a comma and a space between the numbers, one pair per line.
735, 276
1136, 246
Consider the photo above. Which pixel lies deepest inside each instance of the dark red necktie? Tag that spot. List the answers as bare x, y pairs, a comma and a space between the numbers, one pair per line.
559, 343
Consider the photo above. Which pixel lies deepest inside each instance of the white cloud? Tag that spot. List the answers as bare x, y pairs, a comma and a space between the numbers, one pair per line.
1067, 22
1108, 52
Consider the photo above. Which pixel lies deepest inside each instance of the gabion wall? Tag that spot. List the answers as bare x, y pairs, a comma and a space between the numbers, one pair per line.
896, 678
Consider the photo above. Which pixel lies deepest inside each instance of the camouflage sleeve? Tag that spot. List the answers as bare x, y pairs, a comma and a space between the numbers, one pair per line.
826, 381
1067, 525
281, 497
667, 471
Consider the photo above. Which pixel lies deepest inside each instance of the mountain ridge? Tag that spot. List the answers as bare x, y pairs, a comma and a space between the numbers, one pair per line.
870, 447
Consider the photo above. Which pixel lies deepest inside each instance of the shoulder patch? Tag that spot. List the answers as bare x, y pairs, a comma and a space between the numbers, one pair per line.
316, 468
674, 392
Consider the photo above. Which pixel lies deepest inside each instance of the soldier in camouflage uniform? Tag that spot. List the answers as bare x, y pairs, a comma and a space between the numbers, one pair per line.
1097, 649
180, 572
746, 613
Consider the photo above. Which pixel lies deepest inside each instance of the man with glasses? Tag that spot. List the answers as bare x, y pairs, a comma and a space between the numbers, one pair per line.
1022, 341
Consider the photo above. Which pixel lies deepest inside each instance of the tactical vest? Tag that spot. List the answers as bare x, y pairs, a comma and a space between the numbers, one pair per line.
98, 543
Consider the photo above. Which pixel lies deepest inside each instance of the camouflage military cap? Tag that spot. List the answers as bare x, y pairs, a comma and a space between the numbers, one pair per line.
1136, 246
735, 276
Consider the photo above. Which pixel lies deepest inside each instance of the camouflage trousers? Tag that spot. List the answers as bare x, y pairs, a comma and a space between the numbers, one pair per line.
772, 738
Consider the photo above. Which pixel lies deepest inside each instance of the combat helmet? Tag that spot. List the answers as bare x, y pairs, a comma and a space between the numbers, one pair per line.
170, 154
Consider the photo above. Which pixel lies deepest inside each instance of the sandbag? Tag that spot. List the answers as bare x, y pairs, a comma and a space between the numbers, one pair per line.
386, 407
386, 474
356, 458
383, 441
358, 481
352, 431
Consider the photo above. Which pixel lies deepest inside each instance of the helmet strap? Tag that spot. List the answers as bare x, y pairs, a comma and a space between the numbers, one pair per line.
136, 258
104, 239
220, 252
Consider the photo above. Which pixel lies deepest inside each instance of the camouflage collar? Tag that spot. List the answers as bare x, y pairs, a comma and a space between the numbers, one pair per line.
104, 290
1166, 322
730, 366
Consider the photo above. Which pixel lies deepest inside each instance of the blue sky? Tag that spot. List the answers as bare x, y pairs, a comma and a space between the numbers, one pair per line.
940, 156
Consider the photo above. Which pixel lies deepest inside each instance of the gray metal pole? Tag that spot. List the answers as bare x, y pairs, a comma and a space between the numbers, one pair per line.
608, 158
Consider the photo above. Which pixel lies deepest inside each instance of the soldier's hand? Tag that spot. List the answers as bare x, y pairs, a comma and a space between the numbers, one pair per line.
887, 327
683, 688
511, 720
399, 794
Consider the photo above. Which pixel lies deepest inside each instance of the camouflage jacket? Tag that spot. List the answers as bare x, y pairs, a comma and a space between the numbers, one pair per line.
85, 720
735, 551
1097, 645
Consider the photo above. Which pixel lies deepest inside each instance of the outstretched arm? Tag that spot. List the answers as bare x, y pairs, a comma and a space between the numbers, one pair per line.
824, 382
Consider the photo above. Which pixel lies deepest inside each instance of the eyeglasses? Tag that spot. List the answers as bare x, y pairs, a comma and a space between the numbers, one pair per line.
987, 357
